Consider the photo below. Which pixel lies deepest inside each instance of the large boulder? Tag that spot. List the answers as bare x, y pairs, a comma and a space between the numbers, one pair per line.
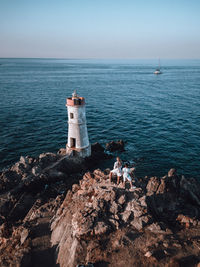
23, 166
115, 146
152, 185
171, 195
62, 152
97, 148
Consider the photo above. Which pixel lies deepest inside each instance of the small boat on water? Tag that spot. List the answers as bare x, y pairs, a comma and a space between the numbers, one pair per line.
158, 71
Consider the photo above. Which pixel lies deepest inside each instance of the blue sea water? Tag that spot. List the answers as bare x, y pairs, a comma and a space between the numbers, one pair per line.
157, 116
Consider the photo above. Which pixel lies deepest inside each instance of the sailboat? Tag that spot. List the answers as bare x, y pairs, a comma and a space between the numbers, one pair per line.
158, 71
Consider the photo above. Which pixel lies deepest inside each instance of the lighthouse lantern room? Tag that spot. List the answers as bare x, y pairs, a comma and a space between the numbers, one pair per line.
78, 142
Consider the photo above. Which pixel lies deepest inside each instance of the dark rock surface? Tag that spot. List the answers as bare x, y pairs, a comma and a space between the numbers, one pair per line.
63, 212
115, 146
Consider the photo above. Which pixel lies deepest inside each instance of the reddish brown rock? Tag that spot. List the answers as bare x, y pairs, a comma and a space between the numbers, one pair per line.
93, 220
153, 185
105, 212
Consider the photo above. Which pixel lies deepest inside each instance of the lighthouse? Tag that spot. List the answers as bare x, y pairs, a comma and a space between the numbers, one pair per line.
78, 142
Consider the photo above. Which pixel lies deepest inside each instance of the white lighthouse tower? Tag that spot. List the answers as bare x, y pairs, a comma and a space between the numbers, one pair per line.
78, 142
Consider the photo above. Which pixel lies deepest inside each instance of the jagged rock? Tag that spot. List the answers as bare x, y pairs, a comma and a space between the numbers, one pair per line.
36, 170
96, 221
155, 228
24, 160
152, 185
186, 221
62, 152
101, 228
148, 254
122, 199
37, 187
115, 146
96, 211
126, 215
75, 188
136, 208
142, 201
114, 222
24, 235
171, 172
138, 223
22, 167
114, 208
47, 156
162, 187
13, 252
98, 174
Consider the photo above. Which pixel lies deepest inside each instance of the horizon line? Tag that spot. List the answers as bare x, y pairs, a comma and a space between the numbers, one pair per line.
93, 58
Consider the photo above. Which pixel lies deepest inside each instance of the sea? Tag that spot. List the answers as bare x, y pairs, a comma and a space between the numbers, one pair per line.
157, 116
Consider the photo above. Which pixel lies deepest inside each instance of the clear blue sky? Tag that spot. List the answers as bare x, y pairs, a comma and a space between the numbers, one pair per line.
100, 28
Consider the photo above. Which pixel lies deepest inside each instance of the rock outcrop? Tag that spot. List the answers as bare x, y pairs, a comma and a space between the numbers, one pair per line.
108, 225
56, 211
115, 146
30, 193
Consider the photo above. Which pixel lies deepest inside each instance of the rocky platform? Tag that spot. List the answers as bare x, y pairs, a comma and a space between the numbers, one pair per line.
156, 224
63, 212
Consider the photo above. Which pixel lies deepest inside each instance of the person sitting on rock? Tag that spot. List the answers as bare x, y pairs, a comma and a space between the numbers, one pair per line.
126, 176
117, 170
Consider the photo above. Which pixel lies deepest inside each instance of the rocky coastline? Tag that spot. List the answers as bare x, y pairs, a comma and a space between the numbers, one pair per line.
57, 211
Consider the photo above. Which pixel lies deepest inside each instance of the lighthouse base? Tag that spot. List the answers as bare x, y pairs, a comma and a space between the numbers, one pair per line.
78, 152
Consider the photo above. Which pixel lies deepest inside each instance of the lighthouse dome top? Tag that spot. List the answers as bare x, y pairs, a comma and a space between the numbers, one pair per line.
75, 100
74, 95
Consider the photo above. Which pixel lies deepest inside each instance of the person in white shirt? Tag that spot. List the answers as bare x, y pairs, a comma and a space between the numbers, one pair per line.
117, 170
126, 176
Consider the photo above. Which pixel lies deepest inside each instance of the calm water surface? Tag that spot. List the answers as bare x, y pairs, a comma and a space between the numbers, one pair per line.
158, 116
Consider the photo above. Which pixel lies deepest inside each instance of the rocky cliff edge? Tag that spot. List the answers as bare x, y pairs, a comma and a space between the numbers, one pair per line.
56, 212
103, 224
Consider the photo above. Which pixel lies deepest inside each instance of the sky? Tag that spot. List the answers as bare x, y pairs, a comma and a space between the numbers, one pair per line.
134, 29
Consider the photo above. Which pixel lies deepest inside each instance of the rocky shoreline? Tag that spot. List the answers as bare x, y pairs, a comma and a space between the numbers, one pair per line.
64, 212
